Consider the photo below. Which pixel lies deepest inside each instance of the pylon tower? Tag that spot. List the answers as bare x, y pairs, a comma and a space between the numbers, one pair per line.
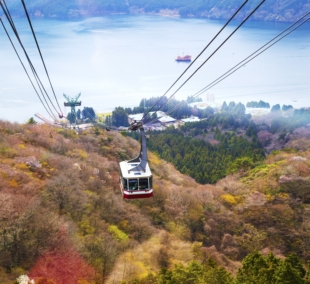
73, 102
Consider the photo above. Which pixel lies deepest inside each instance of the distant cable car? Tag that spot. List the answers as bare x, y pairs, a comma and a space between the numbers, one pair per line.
135, 175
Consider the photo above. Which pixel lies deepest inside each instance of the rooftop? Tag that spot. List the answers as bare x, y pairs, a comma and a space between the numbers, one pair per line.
125, 167
191, 119
161, 116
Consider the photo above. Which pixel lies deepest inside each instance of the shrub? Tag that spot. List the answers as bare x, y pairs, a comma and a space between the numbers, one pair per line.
7, 152
229, 199
77, 153
117, 233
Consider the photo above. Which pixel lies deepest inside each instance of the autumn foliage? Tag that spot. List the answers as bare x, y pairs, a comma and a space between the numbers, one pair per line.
61, 267
63, 220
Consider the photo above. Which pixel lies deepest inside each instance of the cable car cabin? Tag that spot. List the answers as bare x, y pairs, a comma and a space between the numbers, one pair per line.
135, 175
135, 184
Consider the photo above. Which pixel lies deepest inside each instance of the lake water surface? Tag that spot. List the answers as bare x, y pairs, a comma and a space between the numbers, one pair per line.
118, 60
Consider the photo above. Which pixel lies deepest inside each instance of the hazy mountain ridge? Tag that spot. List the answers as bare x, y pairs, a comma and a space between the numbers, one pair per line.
274, 10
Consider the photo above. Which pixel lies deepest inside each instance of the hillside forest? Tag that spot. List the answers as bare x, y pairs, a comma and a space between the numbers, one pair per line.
273, 10
63, 219
224, 142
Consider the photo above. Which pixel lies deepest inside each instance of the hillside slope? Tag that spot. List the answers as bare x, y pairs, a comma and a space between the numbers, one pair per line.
61, 207
273, 10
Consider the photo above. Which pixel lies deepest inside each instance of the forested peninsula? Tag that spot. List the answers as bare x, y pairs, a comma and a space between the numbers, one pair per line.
273, 10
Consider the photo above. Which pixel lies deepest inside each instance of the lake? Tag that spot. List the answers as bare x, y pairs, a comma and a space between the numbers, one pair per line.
118, 60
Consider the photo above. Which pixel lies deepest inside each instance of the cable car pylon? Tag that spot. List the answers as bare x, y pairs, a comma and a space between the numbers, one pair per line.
72, 102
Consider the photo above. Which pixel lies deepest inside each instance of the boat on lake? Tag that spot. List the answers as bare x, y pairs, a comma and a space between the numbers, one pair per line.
185, 58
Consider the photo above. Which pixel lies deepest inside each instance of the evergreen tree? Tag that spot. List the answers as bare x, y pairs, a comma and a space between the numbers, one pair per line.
260, 104
294, 261
108, 120
119, 117
287, 107
193, 273
270, 270
199, 159
275, 108
88, 112
31, 121
224, 107
78, 114
286, 274
71, 117
240, 109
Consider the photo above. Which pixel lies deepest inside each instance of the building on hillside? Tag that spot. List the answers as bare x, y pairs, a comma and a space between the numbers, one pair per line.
191, 119
202, 105
133, 117
84, 126
257, 111
162, 118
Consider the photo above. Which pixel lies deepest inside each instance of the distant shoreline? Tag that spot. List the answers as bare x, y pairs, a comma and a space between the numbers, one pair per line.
212, 14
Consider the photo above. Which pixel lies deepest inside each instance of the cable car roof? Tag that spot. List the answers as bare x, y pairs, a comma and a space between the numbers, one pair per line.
126, 173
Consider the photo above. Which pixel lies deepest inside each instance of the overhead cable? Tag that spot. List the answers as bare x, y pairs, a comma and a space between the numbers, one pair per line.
237, 11
29, 61
212, 54
10, 18
252, 56
11, 22
24, 68
245, 61
33, 33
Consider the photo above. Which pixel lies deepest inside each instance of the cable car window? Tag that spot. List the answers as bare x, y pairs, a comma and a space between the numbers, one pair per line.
143, 183
133, 184
125, 183
151, 182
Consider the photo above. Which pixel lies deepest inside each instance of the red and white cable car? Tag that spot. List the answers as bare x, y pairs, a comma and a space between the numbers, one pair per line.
135, 175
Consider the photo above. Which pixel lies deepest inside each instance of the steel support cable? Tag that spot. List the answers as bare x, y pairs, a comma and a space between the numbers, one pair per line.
33, 33
10, 20
210, 55
196, 57
235, 68
244, 60
10, 17
91, 116
94, 119
28, 59
24, 67
29, 62
215, 83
